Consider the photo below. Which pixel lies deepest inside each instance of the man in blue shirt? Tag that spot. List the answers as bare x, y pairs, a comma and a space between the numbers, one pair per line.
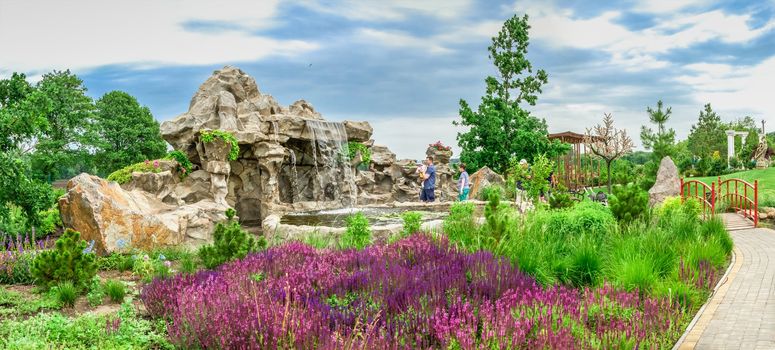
429, 185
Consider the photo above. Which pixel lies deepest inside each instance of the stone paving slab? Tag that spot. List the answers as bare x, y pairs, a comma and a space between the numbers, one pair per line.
741, 315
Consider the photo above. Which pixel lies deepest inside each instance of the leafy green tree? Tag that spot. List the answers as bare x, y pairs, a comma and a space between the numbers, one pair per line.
708, 135
662, 141
64, 139
500, 129
16, 126
127, 132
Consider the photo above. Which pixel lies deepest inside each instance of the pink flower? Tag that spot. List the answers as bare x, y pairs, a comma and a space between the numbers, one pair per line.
147, 162
156, 163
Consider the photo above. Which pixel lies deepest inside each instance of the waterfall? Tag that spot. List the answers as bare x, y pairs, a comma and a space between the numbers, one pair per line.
295, 177
329, 139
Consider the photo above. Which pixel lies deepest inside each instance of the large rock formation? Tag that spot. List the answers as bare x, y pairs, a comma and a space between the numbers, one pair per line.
667, 184
483, 178
118, 219
290, 159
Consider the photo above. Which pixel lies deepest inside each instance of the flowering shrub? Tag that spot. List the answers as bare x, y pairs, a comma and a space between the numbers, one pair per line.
440, 146
184, 166
415, 293
16, 256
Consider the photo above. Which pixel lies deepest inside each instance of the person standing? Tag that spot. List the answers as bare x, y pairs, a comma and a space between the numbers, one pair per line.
463, 183
429, 185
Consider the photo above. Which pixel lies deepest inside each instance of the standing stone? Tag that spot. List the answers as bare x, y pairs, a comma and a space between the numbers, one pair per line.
483, 178
667, 184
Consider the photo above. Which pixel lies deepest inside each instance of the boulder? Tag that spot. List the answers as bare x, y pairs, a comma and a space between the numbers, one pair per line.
358, 131
667, 183
483, 178
439, 156
381, 155
119, 220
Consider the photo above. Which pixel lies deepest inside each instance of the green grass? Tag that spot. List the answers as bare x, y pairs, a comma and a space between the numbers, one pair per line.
766, 178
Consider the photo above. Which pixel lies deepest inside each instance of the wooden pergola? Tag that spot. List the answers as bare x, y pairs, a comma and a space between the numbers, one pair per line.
576, 169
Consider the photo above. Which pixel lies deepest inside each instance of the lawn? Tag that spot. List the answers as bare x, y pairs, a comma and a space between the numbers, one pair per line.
766, 178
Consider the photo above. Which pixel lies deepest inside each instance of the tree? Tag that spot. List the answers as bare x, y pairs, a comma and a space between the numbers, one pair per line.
59, 100
608, 143
16, 126
500, 129
708, 135
662, 141
127, 132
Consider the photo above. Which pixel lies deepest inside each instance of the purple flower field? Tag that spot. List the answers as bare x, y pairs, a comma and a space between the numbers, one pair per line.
417, 293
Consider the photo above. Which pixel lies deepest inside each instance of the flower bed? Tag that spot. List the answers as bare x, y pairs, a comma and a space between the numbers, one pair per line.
415, 293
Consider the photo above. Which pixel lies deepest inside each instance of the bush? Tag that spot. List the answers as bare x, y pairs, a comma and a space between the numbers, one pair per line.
68, 261
460, 226
184, 164
358, 233
412, 222
560, 199
628, 203
355, 147
115, 290
66, 293
230, 242
96, 293
123, 175
209, 136
188, 264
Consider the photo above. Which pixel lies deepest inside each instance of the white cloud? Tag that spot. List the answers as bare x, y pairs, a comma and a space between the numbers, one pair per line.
39, 35
400, 39
409, 137
737, 90
638, 49
667, 6
393, 10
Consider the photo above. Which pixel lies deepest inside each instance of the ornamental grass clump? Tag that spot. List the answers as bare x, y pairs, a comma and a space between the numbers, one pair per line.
416, 293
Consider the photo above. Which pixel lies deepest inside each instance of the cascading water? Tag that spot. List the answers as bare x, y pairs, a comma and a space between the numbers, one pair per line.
295, 176
329, 139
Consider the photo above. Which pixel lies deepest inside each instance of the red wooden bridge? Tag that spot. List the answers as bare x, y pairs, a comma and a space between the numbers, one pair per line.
730, 195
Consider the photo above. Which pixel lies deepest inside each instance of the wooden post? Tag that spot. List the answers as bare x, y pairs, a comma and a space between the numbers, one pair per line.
681, 189
713, 198
756, 200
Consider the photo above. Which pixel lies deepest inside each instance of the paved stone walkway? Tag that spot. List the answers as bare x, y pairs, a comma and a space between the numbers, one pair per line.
741, 315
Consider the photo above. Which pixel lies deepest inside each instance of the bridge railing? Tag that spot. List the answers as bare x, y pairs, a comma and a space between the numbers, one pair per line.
741, 196
704, 194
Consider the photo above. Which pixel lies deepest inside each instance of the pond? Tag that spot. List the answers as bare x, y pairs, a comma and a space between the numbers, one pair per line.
377, 216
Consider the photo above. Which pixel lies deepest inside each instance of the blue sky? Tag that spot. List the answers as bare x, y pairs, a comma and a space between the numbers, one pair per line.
404, 65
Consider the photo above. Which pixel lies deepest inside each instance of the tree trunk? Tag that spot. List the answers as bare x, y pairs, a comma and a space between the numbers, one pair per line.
608, 165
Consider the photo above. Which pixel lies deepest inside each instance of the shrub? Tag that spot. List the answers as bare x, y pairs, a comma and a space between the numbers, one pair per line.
358, 233
96, 294
230, 242
115, 290
355, 147
460, 226
714, 229
184, 164
560, 199
187, 264
412, 222
70, 260
628, 203
123, 175
636, 272
209, 136
66, 293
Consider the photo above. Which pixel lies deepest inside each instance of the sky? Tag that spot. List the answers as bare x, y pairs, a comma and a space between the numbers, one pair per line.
404, 65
